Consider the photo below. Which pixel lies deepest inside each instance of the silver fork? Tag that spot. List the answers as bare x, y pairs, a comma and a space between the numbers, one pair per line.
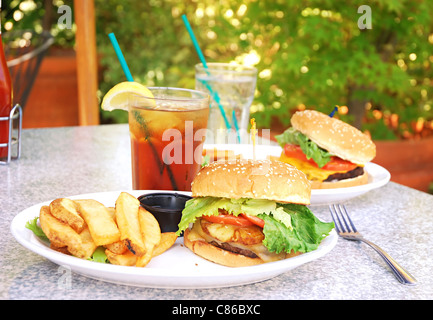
346, 229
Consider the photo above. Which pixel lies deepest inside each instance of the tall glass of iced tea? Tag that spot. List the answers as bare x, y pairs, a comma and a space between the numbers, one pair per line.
167, 135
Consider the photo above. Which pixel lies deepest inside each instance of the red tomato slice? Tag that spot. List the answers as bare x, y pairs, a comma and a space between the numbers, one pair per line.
229, 219
256, 220
336, 163
294, 151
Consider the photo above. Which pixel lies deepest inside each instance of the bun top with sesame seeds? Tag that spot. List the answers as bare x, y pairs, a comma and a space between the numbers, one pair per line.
254, 179
335, 136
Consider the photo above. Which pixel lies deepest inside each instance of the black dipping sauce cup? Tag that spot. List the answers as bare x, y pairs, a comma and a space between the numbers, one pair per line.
166, 208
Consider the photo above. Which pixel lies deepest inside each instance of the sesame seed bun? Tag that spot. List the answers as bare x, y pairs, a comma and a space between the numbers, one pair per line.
335, 136
254, 179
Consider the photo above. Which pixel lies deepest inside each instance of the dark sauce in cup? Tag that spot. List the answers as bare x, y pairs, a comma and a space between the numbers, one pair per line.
165, 207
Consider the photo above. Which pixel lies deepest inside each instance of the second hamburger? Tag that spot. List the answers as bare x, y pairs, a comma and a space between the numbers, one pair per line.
329, 151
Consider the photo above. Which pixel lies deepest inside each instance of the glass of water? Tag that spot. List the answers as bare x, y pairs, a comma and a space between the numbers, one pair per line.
231, 88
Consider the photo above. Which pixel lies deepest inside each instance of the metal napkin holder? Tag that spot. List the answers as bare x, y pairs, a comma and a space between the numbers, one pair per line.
13, 141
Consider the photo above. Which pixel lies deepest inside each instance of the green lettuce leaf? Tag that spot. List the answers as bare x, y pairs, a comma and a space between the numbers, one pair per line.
306, 235
208, 206
255, 207
99, 256
310, 148
287, 226
37, 230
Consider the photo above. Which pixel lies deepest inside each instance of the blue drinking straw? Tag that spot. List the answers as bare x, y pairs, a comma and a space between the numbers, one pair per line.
194, 40
128, 75
120, 57
236, 125
203, 61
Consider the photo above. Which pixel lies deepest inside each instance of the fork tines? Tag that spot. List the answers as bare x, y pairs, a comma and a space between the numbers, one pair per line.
341, 218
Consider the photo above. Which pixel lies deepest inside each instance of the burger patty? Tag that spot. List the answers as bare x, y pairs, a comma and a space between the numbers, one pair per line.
226, 246
358, 171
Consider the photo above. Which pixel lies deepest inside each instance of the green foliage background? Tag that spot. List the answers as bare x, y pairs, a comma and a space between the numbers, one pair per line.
310, 53
345, 65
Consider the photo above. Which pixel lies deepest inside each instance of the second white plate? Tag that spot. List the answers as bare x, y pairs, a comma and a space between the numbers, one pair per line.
377, 175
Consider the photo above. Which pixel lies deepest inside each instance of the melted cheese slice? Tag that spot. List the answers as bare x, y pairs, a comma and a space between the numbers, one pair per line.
312, 172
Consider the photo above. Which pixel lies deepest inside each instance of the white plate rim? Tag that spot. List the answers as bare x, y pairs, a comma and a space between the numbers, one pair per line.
153, 277
374, 171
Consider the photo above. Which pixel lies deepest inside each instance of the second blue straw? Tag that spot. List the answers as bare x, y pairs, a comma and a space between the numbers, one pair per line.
213, 93
120, 56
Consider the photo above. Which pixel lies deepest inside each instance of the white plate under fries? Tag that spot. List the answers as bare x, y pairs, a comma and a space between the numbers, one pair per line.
176, 268
377, 175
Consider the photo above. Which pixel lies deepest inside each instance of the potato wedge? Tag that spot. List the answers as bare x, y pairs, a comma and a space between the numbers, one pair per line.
88, 244
118, 247
62, 235
149, 227
63, 250
151, 233
112, 212
65, 210
143, 260
127, 220
101, 224
58, 232
125, 259
167, 241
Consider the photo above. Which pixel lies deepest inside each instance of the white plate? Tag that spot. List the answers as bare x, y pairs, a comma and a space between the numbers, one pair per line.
377, 175
176, 268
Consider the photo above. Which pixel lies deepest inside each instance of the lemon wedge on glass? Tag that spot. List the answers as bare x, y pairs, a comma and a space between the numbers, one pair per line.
123, 94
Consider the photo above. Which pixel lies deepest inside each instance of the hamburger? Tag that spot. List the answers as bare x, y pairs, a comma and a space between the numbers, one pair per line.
247, 212
329, 151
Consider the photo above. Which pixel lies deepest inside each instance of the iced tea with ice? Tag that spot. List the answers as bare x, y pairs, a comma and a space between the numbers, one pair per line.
167, 137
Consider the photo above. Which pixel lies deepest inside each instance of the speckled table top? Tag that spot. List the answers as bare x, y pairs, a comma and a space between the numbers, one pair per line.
68, 161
